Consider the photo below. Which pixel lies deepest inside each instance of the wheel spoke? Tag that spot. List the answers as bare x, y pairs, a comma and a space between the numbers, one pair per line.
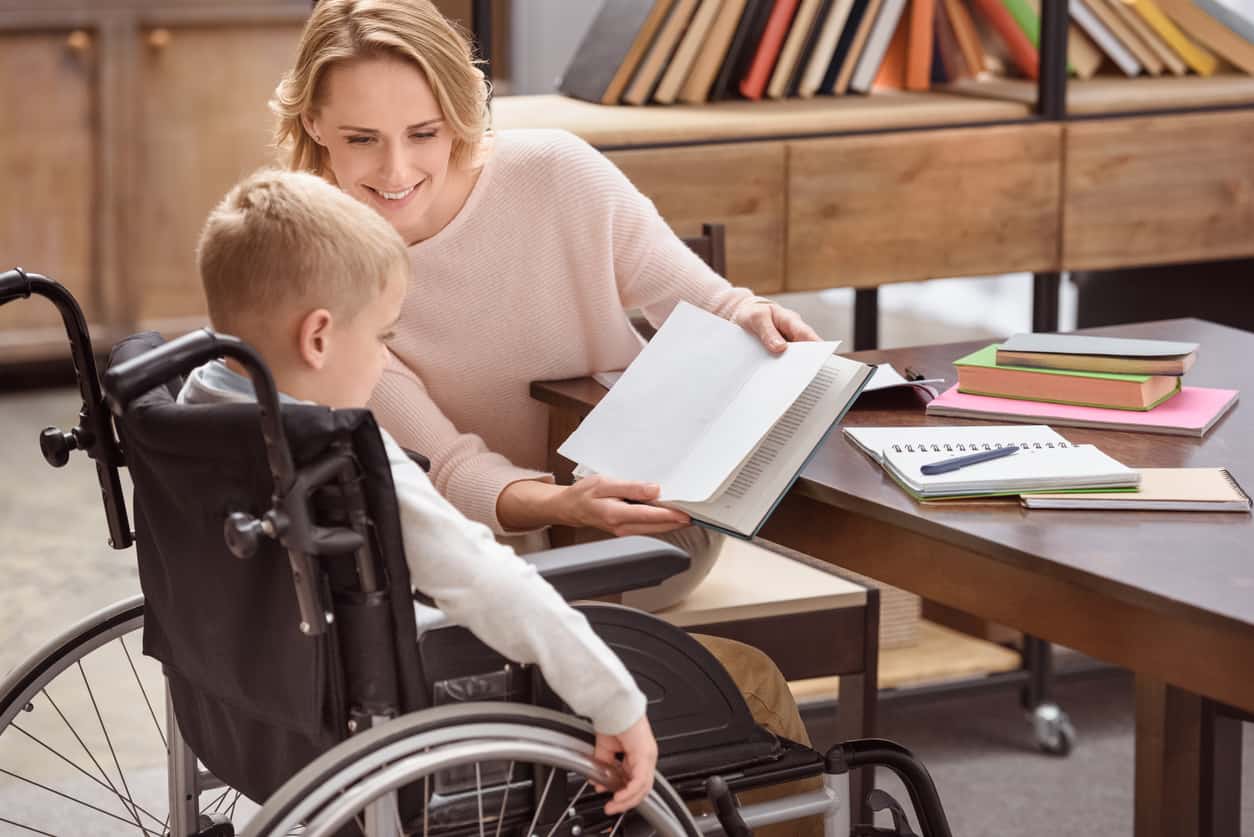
500, 817
479, 796
570, 809
68, 761
109, 741
27, 827
621, 817
56, 792
86, 749
143, 691
531, 829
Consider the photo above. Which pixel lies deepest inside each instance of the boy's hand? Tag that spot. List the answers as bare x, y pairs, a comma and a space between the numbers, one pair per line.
639, 750
774, 325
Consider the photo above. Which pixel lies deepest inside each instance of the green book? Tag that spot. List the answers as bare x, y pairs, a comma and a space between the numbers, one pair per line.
980, 374
1030, 22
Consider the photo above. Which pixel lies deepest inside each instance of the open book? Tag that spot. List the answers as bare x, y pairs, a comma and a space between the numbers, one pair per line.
722, 425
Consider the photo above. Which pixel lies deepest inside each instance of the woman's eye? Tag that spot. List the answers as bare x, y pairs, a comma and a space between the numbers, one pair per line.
360, 140
423, 135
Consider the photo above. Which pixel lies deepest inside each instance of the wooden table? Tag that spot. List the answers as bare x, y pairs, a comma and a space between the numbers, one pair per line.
1169, 595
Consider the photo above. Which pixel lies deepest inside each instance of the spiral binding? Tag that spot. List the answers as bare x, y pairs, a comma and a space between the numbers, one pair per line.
975, 447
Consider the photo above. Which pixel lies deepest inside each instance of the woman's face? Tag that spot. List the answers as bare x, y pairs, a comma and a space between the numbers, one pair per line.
386, 141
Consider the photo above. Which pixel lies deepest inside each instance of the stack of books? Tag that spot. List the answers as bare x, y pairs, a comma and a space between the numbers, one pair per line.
697, 51
1085, 381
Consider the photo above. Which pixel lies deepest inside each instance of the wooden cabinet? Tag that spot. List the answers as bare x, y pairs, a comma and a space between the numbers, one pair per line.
1159, 190
867, 210
48, 175
742, 186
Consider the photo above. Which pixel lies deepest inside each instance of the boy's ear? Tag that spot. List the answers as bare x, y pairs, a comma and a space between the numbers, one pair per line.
315, 338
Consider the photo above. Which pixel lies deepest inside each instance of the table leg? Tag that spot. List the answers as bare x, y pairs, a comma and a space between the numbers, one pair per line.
1188, 764
856, 709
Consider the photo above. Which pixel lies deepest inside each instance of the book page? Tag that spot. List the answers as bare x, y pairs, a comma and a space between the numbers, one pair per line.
692, 405
748, 496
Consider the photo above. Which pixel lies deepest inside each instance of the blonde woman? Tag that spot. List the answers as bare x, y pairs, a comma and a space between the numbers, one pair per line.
526, 246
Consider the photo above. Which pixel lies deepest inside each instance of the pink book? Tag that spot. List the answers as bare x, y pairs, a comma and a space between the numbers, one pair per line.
1191, 413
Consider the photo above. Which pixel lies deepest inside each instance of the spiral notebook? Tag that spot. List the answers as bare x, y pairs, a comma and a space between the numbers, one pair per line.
1045, 461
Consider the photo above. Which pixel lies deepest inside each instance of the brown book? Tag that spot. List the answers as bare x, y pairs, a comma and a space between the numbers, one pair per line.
659, 55
753, 85
855, 47
968, 36
681, 63
1148, 36
892, 73
612, 48
1148, 58
696, 89
1160, 489
790, 53
950, 53
1211, 33
922, 36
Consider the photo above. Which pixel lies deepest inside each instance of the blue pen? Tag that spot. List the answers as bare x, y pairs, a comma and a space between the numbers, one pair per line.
947, 465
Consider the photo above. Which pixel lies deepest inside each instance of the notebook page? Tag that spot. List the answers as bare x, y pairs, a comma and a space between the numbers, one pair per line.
1031, 469
953, 440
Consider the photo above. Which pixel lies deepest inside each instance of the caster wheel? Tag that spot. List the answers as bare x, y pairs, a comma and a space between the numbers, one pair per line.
1054, 733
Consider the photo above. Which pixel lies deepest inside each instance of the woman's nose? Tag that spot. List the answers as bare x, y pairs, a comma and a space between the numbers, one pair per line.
394, 167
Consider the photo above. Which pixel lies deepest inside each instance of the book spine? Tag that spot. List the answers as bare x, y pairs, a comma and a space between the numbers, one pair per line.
753, 85
919, 44
1022, 51
1200, 60
1106, 39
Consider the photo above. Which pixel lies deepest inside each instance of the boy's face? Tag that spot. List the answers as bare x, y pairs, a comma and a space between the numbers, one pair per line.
357, 349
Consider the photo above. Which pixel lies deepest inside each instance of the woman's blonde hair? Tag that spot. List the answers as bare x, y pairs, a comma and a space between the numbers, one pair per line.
412, 30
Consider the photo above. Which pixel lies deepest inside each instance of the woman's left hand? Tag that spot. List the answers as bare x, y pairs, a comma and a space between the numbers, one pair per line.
774, 325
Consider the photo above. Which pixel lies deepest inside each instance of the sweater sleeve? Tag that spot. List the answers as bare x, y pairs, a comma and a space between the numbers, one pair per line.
653, 268
485, 587
462, 468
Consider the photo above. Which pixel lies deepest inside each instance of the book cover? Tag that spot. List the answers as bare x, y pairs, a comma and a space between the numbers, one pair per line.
790, 53
1147, 36
611, 49
1230, 14
1200, 60
968, 36
919, 44
740, 54
979, 373
1160, 489
697, 87
1028, 15
1211, 33
843, 46
857, 46
877, 42
1145, 57
824, 48
1118, 53
753, 85
681, 63
810, 45
1191, 413
664, 45
1022, 51
953, 63
892, 74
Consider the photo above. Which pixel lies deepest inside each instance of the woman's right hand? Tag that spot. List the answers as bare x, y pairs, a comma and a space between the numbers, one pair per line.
616, 506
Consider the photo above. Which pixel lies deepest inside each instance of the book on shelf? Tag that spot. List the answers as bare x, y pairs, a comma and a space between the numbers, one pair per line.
753, 85
857, 45
612, 48
1199, 59
1022, 51
892, 71
1083, 56
1123, 34
824, 48
921, 19
810, 45
720, 424
697, 87
844, 46
1160, 489
1098, 29
878, 39
1237, 15
1192, 412
686, 53
1211, 32
1043, 461
743, 47
650, 71
979, 373
799, 30
968, 35
947, 49
1094, 353
1170, 60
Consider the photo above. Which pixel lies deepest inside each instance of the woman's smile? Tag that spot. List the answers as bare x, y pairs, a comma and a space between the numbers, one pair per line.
390, 200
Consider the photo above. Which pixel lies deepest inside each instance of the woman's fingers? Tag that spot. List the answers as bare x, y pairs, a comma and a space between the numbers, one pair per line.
642, 492
762, 323
791, 325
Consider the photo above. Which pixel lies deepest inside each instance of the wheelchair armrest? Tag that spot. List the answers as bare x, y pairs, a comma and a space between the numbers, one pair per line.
610, 566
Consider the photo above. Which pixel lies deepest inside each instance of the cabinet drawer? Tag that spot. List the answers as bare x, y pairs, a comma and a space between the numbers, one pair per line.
739, 185
1159, 190
867, 210
48, 172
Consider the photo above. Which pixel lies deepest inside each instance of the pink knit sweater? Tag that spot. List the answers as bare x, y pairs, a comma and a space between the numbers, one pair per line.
528, 282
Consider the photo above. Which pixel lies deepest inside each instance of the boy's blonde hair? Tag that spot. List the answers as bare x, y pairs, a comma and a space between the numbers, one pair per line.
411, 30
281, 237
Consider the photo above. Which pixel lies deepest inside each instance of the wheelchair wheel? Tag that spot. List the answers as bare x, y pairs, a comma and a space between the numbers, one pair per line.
483, 768
83, 736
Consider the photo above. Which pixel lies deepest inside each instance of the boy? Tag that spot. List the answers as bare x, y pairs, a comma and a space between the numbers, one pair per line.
315, 280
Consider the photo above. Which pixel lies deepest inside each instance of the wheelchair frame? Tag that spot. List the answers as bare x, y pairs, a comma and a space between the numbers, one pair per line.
289, 522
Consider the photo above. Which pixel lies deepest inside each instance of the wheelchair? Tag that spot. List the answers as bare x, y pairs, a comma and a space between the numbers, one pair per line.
296, 674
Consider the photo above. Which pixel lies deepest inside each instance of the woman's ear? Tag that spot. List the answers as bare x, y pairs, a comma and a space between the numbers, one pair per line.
314, 338
307, 121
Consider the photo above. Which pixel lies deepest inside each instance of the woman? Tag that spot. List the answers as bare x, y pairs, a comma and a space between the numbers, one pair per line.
526, 247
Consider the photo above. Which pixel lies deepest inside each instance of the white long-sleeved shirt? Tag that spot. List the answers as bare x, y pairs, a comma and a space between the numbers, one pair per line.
480, 584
